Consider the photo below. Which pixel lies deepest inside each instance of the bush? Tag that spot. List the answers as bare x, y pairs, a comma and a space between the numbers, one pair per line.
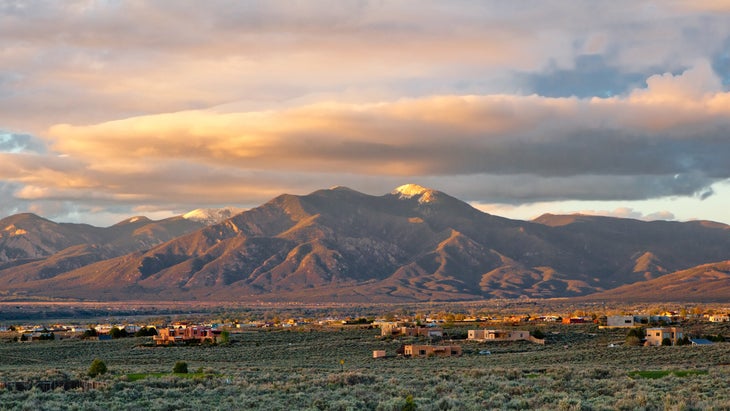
633, 341
91, 332
97, 368
410, 405
634, 336
538, 334
146, 332
116, 332
181, 367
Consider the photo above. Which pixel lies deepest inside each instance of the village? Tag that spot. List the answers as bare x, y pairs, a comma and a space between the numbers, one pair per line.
428, 334
451, 358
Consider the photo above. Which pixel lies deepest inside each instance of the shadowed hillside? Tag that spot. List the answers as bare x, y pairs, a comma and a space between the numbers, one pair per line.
413, 244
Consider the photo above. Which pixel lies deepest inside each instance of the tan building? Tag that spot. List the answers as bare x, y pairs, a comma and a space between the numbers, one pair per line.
655, 336
431, 350
719, 318
498, 335
397, 330
185, 334
389, 328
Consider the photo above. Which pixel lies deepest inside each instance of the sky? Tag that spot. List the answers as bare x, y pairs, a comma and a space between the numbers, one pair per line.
110, 109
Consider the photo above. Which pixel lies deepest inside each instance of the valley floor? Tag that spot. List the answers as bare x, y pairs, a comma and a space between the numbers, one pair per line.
334, 369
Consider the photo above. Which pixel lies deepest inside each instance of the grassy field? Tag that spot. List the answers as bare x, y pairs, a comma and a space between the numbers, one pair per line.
304, 369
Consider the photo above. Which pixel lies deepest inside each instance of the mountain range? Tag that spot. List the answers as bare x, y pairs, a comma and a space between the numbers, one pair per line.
340, 245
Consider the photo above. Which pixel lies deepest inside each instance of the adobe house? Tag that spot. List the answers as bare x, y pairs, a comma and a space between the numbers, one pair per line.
185, 334
396, 330
719, 318
498, 335
577, 320
655, 335
431, 350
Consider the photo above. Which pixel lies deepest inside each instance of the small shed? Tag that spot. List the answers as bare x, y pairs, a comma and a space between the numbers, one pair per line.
379, 354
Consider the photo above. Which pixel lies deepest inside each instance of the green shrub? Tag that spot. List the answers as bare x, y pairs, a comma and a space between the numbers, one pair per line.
116, 332
146, 332
410, 405
634, 336
538, 334
181, 367
97, 367
91, 332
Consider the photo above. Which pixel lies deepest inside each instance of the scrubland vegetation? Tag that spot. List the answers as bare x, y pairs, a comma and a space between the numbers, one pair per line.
332, 368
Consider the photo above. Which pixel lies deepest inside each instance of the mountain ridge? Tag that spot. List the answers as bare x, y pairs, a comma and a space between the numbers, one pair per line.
412, 244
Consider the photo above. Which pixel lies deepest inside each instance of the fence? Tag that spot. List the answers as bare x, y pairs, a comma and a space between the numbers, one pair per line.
52, 385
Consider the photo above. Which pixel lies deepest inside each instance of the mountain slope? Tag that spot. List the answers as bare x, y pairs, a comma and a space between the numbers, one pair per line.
27, 236
412, 244
33, 248
707, 282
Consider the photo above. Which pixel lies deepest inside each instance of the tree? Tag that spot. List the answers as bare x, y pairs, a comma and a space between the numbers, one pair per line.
91, 332
146, 332
634, 336
225, 337
538, 334
181, 367
97, 368
666, 341
115, 332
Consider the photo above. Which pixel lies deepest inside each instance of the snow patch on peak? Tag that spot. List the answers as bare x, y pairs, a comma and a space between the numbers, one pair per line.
212, 215
407, 191
135, 219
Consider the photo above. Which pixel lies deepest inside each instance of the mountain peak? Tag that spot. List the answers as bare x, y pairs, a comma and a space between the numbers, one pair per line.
135, 219
408, 191
211, 216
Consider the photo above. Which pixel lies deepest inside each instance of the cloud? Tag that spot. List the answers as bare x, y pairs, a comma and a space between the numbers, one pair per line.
666, 139
168, 103
87, 62
626, 212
